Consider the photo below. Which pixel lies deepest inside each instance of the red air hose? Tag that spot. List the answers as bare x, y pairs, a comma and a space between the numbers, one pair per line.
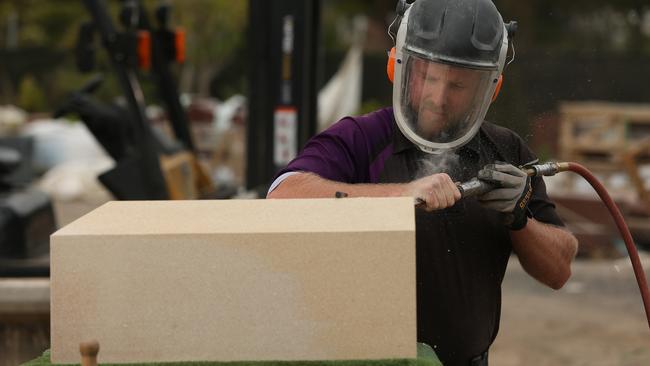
477, 186
622, 227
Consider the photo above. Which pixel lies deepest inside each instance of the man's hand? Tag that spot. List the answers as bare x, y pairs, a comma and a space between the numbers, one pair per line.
512, 195
437, 191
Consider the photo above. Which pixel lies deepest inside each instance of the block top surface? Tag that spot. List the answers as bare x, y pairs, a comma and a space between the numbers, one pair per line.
246, 216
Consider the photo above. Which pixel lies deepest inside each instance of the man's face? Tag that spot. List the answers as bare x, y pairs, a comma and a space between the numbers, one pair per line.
441, 95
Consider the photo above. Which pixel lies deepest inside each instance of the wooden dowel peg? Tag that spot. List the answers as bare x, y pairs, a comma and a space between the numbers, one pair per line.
89, 351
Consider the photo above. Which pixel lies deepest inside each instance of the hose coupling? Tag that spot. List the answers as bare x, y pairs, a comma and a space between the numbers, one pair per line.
546, 169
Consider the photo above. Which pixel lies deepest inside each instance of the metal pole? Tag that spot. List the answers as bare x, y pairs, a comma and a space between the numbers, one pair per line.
284, 37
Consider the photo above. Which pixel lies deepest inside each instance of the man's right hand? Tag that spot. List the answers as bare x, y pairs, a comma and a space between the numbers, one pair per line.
437, 191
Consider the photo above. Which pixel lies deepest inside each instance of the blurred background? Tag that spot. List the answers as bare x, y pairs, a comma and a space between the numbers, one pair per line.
207, 99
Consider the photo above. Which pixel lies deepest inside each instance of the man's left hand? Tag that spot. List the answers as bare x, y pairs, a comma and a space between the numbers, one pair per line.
512, 194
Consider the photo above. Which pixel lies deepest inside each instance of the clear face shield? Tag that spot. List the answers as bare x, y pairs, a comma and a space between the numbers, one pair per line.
440, 106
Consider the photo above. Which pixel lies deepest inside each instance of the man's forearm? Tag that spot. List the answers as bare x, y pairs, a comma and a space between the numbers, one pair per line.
308, 185
545, 252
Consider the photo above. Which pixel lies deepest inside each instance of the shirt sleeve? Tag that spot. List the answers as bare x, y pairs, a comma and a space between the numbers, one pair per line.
541, 207
339, 153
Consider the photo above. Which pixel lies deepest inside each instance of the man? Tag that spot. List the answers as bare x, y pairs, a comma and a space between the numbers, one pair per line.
448, 59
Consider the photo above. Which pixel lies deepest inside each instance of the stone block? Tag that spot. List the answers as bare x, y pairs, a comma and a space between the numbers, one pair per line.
235, 280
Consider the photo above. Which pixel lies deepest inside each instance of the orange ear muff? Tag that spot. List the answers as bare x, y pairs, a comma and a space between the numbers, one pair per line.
498, 88
390, 66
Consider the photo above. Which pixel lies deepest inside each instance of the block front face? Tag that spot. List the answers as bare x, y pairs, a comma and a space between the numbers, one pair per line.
235, 296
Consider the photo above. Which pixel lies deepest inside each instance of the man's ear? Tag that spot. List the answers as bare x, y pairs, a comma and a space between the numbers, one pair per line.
498, 88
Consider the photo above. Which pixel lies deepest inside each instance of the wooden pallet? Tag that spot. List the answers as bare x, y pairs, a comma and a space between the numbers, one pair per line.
597, 133
607, 138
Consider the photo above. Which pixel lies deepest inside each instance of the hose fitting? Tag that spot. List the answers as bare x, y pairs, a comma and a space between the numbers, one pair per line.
546, 169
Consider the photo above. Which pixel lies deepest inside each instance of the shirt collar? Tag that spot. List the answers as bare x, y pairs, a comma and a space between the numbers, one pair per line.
401, 143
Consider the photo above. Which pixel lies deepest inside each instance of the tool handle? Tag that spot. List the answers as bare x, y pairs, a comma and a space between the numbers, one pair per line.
471, 188
474, 187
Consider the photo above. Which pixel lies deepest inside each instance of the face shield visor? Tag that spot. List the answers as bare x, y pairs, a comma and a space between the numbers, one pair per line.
440, 106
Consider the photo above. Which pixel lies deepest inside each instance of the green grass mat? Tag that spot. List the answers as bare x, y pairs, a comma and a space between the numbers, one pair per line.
426, 357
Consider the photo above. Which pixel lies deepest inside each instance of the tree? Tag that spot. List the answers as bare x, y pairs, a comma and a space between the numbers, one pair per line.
215, 31
579, 25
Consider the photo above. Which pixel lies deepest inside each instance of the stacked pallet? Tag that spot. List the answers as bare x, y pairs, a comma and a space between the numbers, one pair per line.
613, 141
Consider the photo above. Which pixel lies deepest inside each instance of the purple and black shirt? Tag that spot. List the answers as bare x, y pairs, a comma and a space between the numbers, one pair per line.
462, 251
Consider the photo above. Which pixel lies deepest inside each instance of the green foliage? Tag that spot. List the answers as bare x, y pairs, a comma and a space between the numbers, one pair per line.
426, 357
43, 23
214, 34
30, 96
585, 26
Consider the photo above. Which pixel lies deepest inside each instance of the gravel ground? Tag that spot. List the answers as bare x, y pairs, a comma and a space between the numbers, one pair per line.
596, 319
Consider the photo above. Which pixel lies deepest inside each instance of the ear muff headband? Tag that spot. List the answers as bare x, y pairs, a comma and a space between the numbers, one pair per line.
390, 66
498, 88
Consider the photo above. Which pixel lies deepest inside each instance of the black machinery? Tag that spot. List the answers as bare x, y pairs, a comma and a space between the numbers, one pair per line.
26, 214
125, 132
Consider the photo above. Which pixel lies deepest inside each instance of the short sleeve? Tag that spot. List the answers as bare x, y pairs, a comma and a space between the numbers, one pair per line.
344, 151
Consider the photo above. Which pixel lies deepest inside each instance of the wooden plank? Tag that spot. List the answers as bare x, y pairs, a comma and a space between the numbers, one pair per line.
24, 296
